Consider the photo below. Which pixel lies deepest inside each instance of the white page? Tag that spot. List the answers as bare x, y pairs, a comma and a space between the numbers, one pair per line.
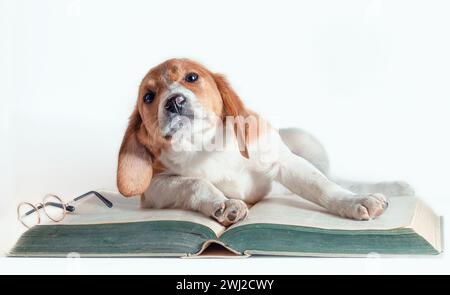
91, 210
293, 210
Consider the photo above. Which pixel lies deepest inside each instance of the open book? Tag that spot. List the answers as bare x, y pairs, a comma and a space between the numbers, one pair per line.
278, 225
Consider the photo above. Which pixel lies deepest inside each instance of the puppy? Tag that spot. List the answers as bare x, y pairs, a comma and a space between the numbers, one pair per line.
192, 144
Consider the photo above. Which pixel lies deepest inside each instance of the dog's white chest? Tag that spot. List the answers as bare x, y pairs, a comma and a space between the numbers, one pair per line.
235, 176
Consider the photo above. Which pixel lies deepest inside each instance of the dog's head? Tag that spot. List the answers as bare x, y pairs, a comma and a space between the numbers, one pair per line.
175, 96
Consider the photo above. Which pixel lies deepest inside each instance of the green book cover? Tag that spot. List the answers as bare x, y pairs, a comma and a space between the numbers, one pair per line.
278, 225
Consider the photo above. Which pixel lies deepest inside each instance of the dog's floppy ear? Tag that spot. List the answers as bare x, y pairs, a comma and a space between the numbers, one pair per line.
134, 170
233, 107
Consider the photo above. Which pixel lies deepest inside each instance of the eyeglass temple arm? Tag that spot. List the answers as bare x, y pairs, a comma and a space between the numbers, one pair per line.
71, 208
32, 210
98, 195
68, 208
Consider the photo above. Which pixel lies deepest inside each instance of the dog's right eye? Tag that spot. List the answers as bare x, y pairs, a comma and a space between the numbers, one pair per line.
149, 97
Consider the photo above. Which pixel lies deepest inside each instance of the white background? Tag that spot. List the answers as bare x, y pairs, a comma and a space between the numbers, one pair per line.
368, 78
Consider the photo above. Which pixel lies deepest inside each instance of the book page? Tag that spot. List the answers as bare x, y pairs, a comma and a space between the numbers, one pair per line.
293, 210
91, 210
428, 225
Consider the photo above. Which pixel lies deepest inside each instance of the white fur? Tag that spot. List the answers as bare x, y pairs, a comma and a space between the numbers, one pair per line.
218, 182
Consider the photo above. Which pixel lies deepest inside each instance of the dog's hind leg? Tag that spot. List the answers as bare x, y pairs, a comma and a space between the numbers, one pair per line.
305, 145
388, 188
308, 147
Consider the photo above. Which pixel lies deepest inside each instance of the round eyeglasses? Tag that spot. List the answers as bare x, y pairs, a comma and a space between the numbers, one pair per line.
54, 208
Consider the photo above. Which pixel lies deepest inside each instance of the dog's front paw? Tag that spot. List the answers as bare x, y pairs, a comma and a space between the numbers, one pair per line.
230, 211
361, 207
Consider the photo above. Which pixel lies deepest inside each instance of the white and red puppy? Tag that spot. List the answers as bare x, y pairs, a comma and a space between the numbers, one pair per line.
192, 144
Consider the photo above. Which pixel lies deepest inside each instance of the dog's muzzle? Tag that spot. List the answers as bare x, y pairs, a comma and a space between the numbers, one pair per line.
175, 104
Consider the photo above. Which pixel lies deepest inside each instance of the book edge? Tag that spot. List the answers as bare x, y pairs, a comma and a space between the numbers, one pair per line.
208, 243
334, 255
11, 253
434, 236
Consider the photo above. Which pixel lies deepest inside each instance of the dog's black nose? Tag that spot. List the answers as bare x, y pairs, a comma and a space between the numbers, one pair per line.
175, 103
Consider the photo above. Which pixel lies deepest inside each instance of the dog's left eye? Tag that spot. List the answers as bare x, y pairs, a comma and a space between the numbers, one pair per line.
191, 77
149, 97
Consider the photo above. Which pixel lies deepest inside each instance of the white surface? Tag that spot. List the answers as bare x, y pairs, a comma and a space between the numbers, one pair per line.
369, 78
250, 266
